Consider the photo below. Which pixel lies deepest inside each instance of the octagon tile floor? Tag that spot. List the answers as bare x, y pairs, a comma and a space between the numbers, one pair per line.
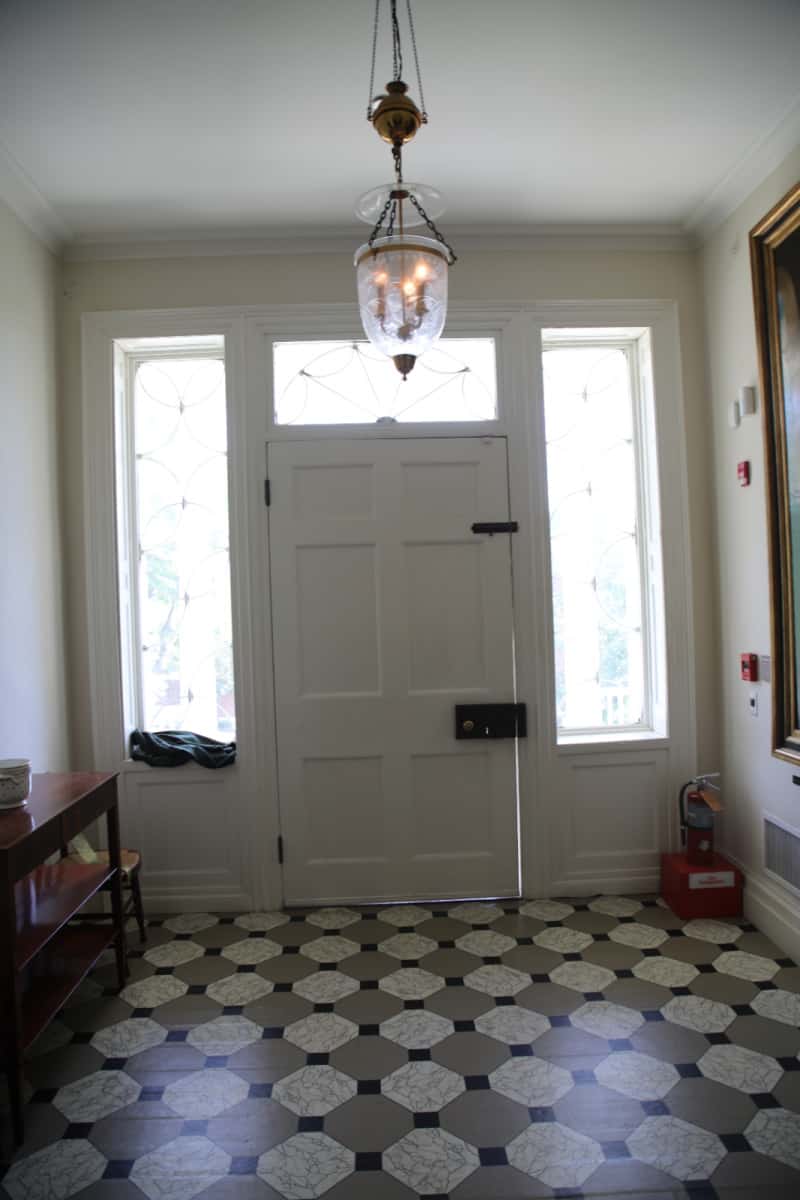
473, 1051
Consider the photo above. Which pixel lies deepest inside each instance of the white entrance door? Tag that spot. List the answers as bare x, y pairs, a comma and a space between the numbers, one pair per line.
388, 610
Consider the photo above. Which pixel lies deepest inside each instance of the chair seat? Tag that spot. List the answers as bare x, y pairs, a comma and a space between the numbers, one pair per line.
131, 860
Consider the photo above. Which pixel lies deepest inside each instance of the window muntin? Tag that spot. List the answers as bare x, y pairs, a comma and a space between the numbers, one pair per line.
351, 383
604, 548
179, 603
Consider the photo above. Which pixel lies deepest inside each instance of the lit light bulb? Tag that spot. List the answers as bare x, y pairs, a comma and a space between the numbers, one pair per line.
408, 287
421, 272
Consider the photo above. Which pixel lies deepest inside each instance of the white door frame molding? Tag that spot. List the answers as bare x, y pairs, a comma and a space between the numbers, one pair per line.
517, 328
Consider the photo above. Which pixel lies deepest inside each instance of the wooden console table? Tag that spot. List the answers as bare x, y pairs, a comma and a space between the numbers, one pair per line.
42, 957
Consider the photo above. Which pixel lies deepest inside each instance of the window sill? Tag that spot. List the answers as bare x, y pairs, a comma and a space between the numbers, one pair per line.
594, 743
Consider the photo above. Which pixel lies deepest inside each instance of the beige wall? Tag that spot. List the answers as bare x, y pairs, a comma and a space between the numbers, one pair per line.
574, 274
32, 692
755, 782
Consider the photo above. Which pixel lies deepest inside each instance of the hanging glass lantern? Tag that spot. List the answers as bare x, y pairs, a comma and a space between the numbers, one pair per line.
402, 276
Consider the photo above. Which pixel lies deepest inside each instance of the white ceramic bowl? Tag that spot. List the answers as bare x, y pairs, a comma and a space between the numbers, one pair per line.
15, 781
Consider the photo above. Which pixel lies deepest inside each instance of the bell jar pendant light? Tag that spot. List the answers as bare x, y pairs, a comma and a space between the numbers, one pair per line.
401, 275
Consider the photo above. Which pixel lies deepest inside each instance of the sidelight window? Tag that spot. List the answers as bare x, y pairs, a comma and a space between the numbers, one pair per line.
173, 536
605, 545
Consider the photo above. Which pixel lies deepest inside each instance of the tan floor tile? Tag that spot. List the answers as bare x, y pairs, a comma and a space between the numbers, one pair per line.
368, 1058
369, 1123
186, 1011
450, 964
600, 1113
638, 994
768, 1037
629, 1179
368, 1185
169, 1056
484, 1118
369, 1008
533, 960
787, 978
371, 964
296, 934
758, 943
787, 1091
518, 926
442, 929
459, 1003
63, 1066
566, 1041
286, 968
251, 1128
95, 1014
218, 936
203, 970
119, 1137
727, 988
591, 922
711, 1105
754, 1170
470, 1053
690, 950
550, 999
671, 1043
612, 955
278, 1009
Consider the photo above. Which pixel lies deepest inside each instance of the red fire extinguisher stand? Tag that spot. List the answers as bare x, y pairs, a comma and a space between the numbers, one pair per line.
698, 882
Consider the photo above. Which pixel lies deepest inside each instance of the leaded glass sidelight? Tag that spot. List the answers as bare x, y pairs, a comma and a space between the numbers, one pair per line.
598, 536
179, 511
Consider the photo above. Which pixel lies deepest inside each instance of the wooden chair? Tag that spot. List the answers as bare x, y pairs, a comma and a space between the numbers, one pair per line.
79, 850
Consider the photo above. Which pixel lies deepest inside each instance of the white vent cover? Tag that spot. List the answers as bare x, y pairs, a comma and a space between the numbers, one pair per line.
782, 851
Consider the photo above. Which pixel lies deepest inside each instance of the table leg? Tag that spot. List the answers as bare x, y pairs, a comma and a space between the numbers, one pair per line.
10, 1010
120, 945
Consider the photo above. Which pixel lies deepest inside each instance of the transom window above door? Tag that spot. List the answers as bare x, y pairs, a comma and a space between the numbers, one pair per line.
351, 383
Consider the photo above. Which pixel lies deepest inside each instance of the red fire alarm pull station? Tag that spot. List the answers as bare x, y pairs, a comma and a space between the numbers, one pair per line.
743, 474
749, 667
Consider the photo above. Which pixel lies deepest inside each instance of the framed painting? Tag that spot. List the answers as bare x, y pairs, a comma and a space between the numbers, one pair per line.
775, 262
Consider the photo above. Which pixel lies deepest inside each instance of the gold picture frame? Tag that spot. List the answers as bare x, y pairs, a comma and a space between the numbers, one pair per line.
775, 264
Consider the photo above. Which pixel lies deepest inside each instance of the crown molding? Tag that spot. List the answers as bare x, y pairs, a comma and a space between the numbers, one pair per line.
760, 159
23, 197
487, 238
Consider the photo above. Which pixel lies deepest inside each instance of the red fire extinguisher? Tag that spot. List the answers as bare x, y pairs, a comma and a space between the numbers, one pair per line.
697, 821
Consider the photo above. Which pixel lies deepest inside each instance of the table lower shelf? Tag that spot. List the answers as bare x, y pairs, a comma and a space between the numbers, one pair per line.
57, 971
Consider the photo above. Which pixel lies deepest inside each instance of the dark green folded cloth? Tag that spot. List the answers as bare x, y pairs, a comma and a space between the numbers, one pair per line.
173, 747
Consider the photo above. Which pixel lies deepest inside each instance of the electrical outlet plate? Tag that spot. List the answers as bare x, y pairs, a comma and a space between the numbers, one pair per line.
752, 701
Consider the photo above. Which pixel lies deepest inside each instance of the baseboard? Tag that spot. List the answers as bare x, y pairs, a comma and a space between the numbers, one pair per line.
637, 883
160, 903
773, 908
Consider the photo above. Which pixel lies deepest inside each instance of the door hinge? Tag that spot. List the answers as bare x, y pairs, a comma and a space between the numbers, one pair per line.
267, 493
280, 851
492, 527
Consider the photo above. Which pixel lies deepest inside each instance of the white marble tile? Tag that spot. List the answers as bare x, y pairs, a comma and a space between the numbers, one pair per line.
531, 1081
305, 1166
431, 1162
191, 922
173, 954
476, 913
325, 987
511, 1025
407, 946
330, 949
333, 918
96, 1096
607, 1020
746, 966
615, 906
56, 1172
155, 990
740, 1068
422, 1086
53, 1037
251, 951
563, 940
224, 1035
637, 1075
261, 922
717, 932
697, 1012
411, 983
774, 1132
404, 915
204, 1094
129, 1037
239, 989
180, 1169
417, 1029
546, 910
583, 976
485, 943
314, 1091
560, 1157
666, 972
778, 1005
682, 1150
641, 937
320, 1033
495, 979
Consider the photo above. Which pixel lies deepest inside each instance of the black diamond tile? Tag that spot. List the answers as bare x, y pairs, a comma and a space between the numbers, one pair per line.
243, 1165
369, 1161
540, 978
369, 985
593, 996
680, 991
624, 973
785, 962
538, 1115
81, 1039
197, 989
454, 981
705, 968
144, 1012
194, 1129
568, 1193
476, 1083
331, 933
287, 950
323, 1008
409, 962
405, 928
426, 1120
572, 957
413, 1005
727, 945
560, 1022
370, 947
584, 1076
766, 985
151, 1094
503, 1001
764, 1100
718, 1039
230, 920
650, 953
329, 966
653, 1014
113, 1064
232, 1010
183, 937
213, 952
310, 1124
701, 1189
177, 1035
493, 1156
448, 945
743, 1010
244, 970
688, 1070
163, 971
118, 1168
216, 1060
369, 1030
282, 987
317, 1060
296, 919
601, 937
271, 1032
655, 1108
369, 1087
521, 1051
260, 1091
79, 1129
491, 960
614, 1150
419, 1056
464, 1026
789, 1064
620, 1044
735, 1143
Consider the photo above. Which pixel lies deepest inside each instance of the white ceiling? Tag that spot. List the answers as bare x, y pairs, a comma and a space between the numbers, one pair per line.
132, 119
